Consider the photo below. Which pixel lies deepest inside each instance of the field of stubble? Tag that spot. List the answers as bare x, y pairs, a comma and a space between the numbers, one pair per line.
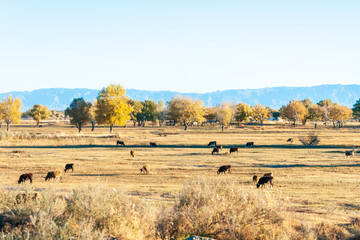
319, 183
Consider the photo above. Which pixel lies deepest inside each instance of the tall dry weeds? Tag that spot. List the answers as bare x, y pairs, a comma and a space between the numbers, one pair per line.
218, 209
213, 208
88, 213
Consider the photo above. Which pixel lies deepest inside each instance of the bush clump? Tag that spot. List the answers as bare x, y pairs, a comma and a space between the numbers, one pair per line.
218, 209
310, 140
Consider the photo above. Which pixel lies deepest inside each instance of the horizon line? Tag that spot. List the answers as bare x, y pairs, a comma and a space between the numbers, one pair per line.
187, 92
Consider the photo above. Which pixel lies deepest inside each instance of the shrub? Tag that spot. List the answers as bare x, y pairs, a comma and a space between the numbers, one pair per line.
310, 140
218, 209
89, 213
325, 231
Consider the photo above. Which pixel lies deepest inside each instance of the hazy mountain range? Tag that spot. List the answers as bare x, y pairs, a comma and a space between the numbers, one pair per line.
274, 97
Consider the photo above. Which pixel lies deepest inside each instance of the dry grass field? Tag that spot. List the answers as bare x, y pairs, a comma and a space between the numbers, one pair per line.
317, 184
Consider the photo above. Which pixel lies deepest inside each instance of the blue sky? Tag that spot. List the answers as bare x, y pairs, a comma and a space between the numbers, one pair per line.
186, 46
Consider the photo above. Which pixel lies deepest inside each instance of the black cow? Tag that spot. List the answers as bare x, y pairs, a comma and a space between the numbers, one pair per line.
234, 149
224, 169
69, 166
248, 144
266, 179
212, 143
24, 177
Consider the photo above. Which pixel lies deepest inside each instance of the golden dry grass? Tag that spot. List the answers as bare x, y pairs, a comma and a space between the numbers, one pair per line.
318, 183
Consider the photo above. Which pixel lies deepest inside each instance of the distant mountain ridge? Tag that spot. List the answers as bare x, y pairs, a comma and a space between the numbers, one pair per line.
274, 97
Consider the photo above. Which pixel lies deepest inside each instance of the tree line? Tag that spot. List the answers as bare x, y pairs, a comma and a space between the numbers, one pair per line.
112, 107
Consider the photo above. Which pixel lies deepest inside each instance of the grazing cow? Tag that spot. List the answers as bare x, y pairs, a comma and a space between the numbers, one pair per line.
255, 178
224, 169
132, 153
23, 197
248, 144
350, 153
212, 143
54, 175
263, 180
152, 144
145, 169
215, 150
234, 149
68, 167
121, 143
24, 177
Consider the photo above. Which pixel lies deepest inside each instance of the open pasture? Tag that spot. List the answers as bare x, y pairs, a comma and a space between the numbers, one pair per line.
319, 182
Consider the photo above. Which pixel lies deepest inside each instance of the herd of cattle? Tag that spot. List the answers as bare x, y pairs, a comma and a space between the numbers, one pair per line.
266, 178
50, 175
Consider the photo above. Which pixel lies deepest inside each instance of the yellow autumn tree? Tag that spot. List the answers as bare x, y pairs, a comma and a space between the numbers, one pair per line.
210, 114
92, 114
316, 113
112, 106
243, 112
223, 115
186, 110
294, 111
339, 113
10, 111
39, 112
259, 113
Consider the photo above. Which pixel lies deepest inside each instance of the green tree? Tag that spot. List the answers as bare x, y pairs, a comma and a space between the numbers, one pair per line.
39, 112
135, 115
186, 110
79, 112
243, 113
356, 109
148, 112
10, 111
112, 106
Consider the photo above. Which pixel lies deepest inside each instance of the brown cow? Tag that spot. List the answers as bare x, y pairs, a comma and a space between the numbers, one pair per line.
224, 169
145, 169
54, 175
234, 149
255, 178
132, 153
23, 197
68, 167
24, 177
